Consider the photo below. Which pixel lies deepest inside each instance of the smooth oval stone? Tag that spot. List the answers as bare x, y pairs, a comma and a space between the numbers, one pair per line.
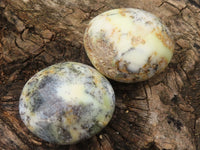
128, 45
66, 103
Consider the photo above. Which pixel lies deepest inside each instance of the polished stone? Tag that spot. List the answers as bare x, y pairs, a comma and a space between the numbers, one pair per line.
128, 45
66, 103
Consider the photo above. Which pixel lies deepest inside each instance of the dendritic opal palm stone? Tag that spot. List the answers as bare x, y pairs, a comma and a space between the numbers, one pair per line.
128, 45
66, 103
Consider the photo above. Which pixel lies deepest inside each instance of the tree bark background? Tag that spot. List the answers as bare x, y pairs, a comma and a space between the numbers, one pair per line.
161, 113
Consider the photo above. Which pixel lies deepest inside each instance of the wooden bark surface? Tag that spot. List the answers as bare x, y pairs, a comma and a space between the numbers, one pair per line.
161, 113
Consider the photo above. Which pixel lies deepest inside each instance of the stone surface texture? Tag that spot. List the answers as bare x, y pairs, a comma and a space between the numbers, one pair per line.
66, 103
128, 45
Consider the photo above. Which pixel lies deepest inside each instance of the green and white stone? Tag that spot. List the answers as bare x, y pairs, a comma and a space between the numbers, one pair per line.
66, 103
128, 45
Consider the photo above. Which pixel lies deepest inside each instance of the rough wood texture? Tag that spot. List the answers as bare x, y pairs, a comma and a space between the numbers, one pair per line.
161, 113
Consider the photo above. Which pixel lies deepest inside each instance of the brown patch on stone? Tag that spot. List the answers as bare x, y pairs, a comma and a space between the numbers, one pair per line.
122, 12
136, 40
149, 22
113, 31
101, 54
123, 68
70, 116
163, 61
166, 39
